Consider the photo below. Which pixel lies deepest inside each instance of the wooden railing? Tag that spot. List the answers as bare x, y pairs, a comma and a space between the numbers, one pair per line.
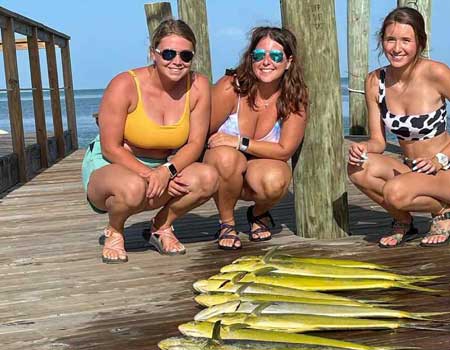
36, 33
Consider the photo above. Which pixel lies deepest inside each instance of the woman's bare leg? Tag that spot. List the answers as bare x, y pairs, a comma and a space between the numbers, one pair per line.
230, 165
266, 181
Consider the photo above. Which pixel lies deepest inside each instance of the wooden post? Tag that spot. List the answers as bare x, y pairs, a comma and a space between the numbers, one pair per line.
358, 14
155, 14
69, 95
54, 96
14, 103
38, 98
193, 12
320, 174
424, 7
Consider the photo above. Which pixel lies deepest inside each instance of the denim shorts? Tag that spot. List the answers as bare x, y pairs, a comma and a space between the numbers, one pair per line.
94, 159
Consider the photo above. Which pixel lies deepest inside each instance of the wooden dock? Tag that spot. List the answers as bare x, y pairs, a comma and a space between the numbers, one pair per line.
56, 294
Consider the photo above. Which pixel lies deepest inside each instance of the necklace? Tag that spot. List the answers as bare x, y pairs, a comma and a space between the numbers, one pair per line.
267, 103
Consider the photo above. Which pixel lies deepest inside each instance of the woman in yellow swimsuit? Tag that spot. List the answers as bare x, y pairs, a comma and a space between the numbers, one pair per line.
153, 123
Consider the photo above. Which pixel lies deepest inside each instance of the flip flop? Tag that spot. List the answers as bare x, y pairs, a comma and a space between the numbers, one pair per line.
437, 231
116, 244
401, 239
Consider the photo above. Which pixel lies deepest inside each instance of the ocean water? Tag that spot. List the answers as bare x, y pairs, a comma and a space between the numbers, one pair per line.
86, 103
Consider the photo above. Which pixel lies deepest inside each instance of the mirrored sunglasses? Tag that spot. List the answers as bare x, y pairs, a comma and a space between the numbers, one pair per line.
275, 55
170, 54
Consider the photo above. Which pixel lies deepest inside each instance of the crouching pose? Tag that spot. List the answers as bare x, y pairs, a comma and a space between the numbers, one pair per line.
148, 114
257, 122
407, 97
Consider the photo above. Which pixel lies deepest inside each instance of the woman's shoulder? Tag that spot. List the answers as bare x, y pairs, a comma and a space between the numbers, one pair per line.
122, 82
199, 80
435, 70
373, 78
224, 86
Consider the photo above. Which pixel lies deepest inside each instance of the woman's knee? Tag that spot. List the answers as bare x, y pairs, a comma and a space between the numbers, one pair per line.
132, 192
357, 174
226, 160
397, 194
204, 180
275, 183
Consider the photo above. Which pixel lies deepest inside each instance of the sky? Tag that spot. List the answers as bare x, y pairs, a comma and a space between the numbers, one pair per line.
108, 37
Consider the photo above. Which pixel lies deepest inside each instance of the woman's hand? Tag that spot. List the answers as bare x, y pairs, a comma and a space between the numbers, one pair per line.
427, 166
157, 180
357, 153
178, 186
221, 139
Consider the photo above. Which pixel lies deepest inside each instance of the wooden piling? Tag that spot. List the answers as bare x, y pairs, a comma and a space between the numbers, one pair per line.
54, 95
320, 173
155, 14
424, 7
358, 14
13, 87
193, 12
69, 95
38, 98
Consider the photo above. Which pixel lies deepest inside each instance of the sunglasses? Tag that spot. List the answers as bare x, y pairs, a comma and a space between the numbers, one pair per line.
260, 54
170, 54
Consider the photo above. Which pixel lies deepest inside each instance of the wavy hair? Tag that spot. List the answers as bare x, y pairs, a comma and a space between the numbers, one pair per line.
293, 91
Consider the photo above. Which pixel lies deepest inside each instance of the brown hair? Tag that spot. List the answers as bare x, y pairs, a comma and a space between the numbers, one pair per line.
410, 16
294, 94
173, 26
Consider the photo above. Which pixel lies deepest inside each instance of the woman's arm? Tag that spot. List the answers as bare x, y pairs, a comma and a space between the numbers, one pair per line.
116, 103
292, 132
199, 123
223, 99
376, 143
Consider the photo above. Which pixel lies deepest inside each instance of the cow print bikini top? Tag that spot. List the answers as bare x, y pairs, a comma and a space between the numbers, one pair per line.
411, 127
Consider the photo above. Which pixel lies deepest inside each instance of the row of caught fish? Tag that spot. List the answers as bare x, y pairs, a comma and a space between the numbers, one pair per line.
258, 302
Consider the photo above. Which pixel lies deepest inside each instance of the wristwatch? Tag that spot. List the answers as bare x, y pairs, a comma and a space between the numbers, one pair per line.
442, 160
172, 170
244, 143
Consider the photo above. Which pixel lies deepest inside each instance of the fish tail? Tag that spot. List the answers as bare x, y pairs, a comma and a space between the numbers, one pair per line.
428, 316
406, 285
412, 279
421, 326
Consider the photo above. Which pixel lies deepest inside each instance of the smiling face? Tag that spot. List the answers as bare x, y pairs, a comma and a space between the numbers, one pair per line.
400, 44
174, 69
267, 70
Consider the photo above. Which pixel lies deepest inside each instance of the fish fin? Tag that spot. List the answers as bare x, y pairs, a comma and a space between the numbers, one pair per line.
215, 338
238, 277
242, 288
268, 256
263, 270
259, 309
236, 326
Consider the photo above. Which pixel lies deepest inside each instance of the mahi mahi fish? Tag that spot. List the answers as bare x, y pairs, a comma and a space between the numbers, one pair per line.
191, 343
308, 309
308, 323
307, 269
309, 283
205, 330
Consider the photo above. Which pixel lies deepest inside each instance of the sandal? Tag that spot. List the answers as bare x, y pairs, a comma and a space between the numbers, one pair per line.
115, 243
226, 234
154, 238
253, 235
435, 230
402, 233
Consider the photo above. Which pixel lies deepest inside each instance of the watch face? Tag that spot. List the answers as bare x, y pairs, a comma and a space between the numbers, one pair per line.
442, 159
173, 170
245, 141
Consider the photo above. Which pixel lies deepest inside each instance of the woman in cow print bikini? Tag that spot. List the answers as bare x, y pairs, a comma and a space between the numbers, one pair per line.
399, 97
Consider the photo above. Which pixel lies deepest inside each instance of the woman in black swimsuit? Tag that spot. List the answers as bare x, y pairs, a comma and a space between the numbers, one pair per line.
399, 97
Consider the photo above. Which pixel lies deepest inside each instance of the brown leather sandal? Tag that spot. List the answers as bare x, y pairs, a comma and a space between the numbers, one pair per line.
114, 241
253, 235
226, 234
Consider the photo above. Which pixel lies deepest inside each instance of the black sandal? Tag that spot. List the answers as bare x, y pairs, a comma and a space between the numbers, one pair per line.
227, 235
252, 219
435, 230
410, 233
